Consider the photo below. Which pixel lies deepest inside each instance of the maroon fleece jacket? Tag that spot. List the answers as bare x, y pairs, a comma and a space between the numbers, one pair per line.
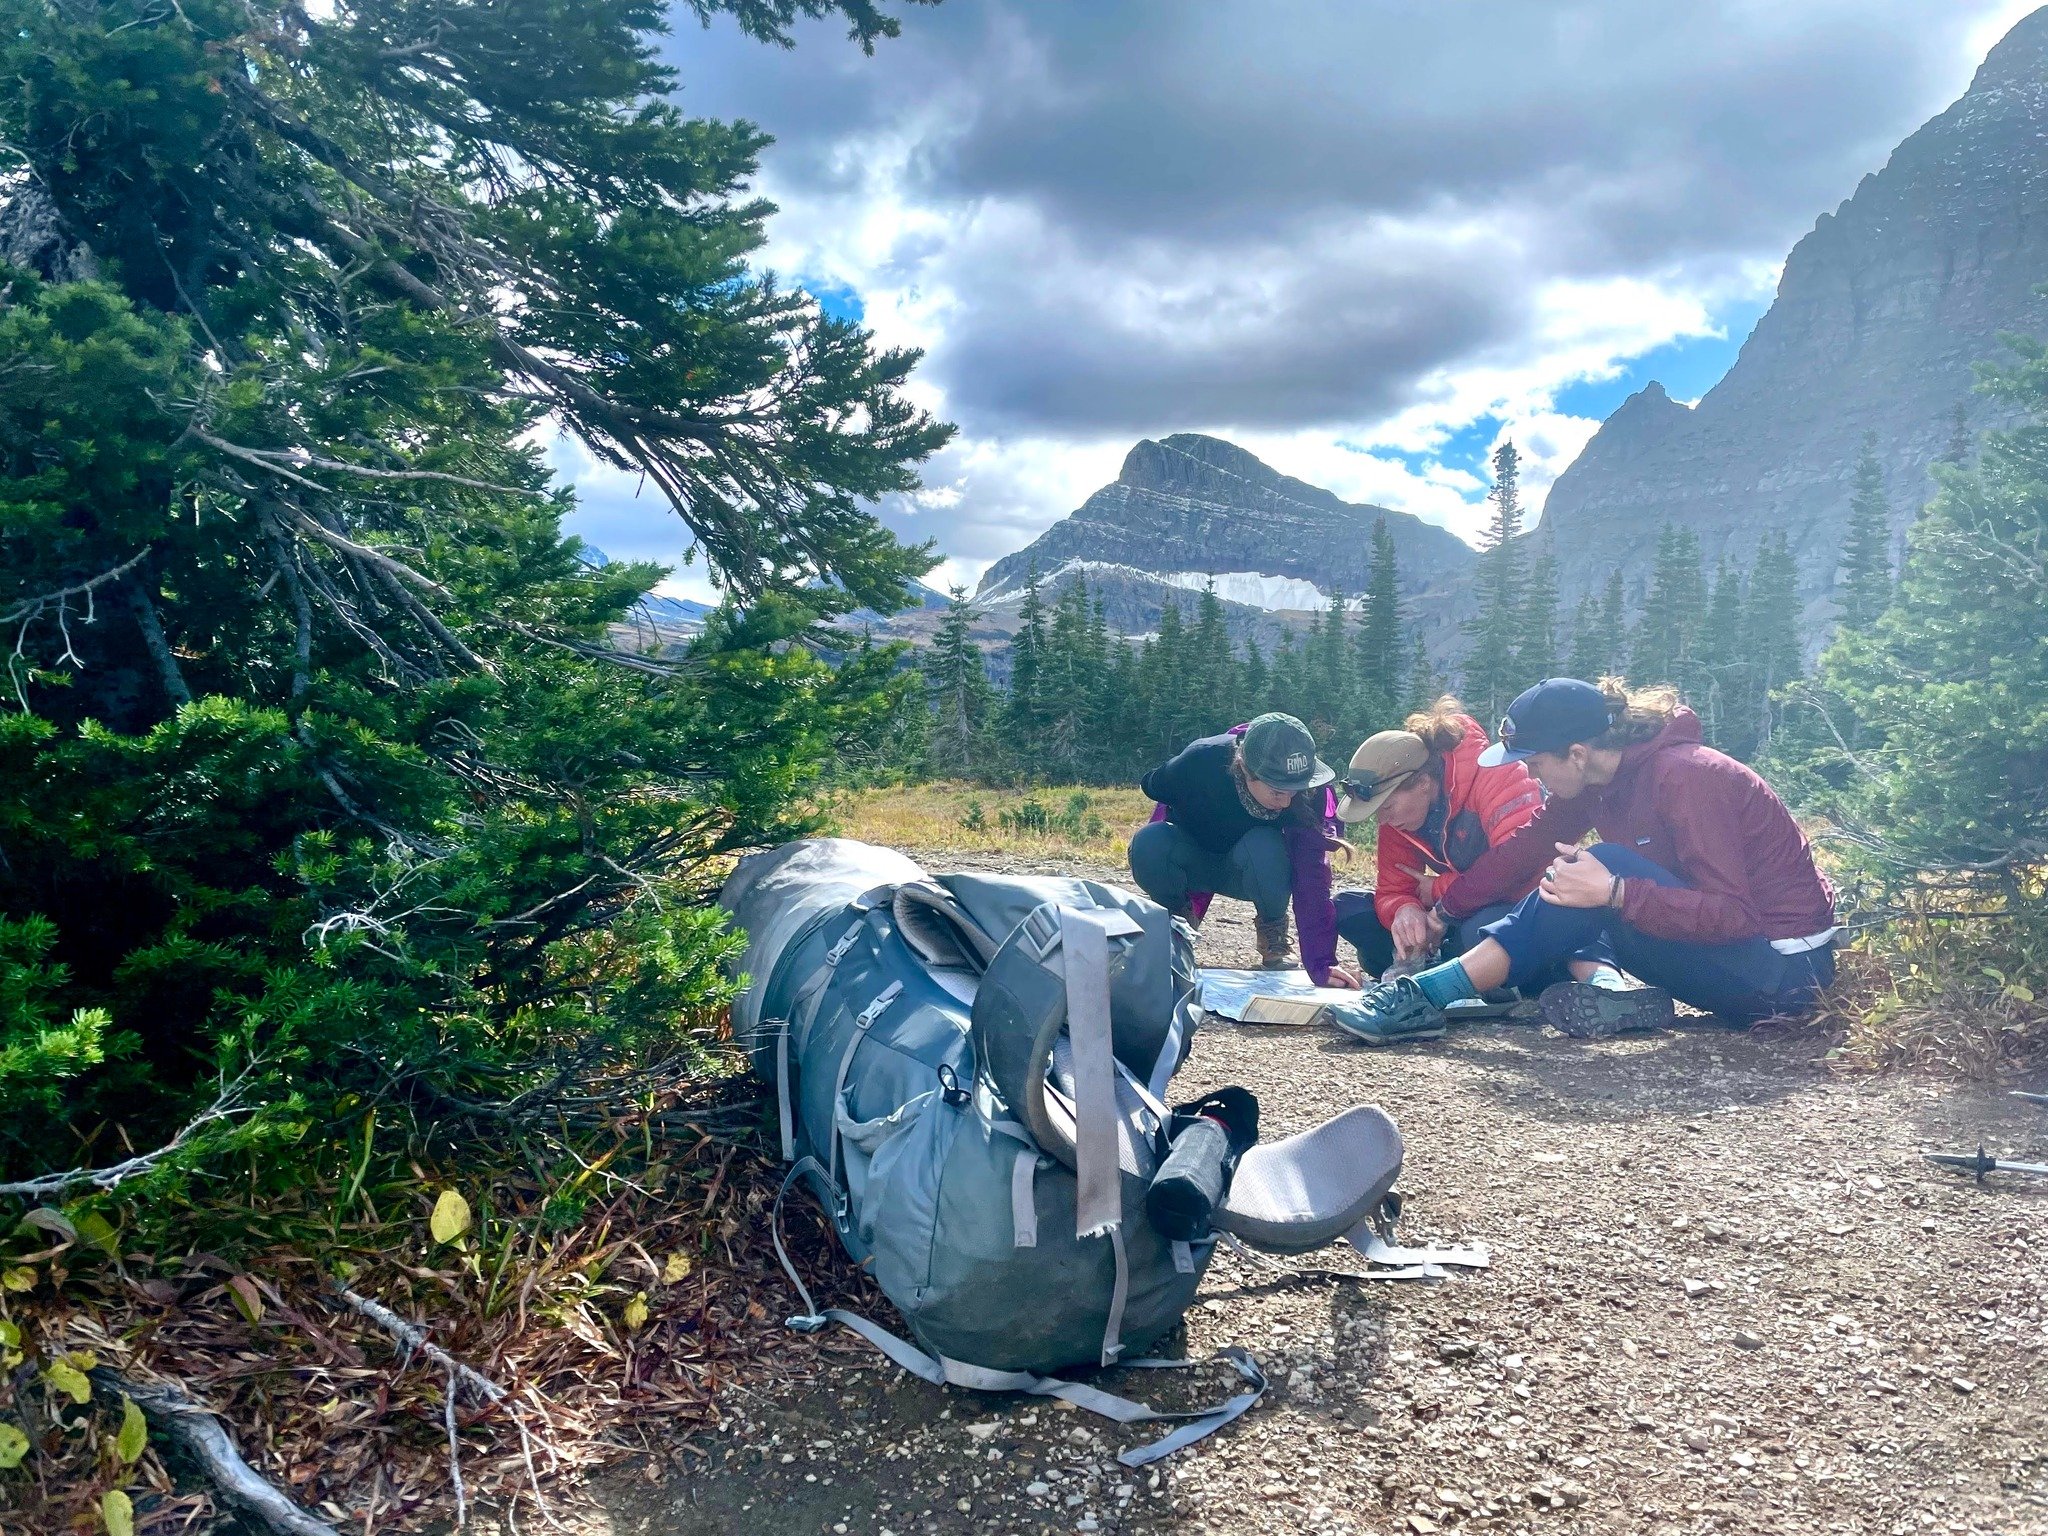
1748, 869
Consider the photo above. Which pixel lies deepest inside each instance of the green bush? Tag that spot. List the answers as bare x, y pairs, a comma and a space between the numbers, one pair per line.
318, 765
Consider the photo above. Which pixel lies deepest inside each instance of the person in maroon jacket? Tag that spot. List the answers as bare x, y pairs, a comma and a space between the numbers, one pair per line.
1701, 886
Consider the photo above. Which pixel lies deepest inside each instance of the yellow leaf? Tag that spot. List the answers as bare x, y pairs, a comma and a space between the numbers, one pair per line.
10, 1335
636, 1312
677, 1268
134, 1436
451, 1217
118, 1511
13, 1446
69, 1379
19, 1278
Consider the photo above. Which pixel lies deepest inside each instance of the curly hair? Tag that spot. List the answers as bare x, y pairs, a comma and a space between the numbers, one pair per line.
1441, 726
1635, 714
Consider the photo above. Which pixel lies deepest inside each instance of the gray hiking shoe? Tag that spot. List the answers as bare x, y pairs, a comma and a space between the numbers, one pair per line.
1389, 1013
1606, 1005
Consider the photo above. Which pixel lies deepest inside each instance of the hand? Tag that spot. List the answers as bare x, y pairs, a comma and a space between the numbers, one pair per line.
1576, 879
1410, 931
1345, 976
1438, 928
1425, 883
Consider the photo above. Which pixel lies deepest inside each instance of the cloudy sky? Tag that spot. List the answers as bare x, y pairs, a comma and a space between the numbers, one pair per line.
1363, 238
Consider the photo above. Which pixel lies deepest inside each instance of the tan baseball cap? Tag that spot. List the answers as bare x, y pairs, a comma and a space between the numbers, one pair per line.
1382, 765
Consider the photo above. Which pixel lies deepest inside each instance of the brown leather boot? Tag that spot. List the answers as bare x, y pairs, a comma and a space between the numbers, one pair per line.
1276, 950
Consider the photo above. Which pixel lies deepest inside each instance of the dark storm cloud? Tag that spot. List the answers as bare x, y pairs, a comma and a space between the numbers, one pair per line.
1295, 212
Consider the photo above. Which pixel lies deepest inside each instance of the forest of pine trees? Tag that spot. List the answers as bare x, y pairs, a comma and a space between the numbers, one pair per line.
1089, 706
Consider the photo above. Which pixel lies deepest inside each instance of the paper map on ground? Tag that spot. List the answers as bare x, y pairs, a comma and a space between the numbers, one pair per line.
1228, 994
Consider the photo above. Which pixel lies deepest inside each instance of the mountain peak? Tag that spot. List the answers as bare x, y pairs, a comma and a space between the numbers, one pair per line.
1184, 457
1194, 505
1881, 315
2018, 58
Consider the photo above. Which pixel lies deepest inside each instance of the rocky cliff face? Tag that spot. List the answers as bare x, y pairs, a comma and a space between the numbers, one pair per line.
1881, 313
1191, 505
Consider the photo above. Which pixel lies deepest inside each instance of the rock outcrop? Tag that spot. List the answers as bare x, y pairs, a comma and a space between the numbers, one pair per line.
1194, 504
1880, 316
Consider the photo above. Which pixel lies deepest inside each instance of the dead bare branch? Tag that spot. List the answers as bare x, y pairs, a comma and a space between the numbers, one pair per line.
198, 1432
231, 1101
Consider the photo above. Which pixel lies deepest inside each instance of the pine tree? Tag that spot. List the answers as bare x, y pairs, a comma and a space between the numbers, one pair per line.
959, 692
1962, 442
1945, 694
1068, 685
1425, 683
1024, 711
294, 290
1723, 668
1614, 629
1381, 656
1672, 612
1327, 707
1493, 631
1863, 582
1771, 641
1589, 655
1536, 654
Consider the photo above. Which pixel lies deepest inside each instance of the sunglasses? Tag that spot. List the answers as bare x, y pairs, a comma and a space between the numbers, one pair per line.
1365, 789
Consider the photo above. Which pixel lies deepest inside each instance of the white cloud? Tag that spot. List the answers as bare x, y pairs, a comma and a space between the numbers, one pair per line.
1344, 242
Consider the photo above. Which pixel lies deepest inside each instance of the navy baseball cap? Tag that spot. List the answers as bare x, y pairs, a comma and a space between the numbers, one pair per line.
1548, 718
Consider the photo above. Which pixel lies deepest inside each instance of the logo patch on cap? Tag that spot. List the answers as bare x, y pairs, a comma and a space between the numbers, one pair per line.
1297, 762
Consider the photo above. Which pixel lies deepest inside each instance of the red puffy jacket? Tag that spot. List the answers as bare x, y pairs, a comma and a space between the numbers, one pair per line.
1482, 808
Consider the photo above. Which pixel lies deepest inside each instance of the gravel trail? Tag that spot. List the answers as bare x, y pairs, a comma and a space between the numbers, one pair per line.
1727, 1296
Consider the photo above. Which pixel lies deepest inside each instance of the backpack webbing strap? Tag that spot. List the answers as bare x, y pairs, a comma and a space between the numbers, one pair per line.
1024, 1199
1098, 1198
941, 1370
785, 1115
862, 1023
803, 1013
1195, 1424
1119, 1296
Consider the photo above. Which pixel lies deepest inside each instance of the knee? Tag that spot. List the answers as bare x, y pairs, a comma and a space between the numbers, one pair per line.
1630, 864
1262, 854
1352, 906
1152, 849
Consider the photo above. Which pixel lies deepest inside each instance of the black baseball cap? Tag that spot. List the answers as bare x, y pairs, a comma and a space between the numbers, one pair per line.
1278, 750
1549, 718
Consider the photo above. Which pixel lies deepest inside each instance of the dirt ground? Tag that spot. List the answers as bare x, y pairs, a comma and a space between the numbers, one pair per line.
1727, 1295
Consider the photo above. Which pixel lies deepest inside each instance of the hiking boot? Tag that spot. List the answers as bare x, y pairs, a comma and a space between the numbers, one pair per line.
1607, 1005
1276, 950
1389, 1013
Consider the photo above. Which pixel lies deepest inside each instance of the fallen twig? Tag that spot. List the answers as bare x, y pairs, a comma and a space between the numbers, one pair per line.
198, 1432
225, 1106
414, 1340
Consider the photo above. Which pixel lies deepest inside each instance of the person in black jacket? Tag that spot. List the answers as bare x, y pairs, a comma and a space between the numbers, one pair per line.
1248, 814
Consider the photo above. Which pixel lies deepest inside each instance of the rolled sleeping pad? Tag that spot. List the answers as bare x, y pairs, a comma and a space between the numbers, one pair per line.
1208, 1138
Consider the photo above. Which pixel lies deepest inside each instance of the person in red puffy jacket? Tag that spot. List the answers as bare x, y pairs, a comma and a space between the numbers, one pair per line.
1440, 815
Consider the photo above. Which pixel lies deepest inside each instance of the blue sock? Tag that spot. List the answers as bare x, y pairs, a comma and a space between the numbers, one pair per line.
1446, 984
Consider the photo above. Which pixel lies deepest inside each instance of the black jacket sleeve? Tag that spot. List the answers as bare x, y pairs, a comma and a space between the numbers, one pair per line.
1167, 783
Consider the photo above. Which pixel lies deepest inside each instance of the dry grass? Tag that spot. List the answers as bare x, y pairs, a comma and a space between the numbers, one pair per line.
942, 816
1964, 993
615, 1309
